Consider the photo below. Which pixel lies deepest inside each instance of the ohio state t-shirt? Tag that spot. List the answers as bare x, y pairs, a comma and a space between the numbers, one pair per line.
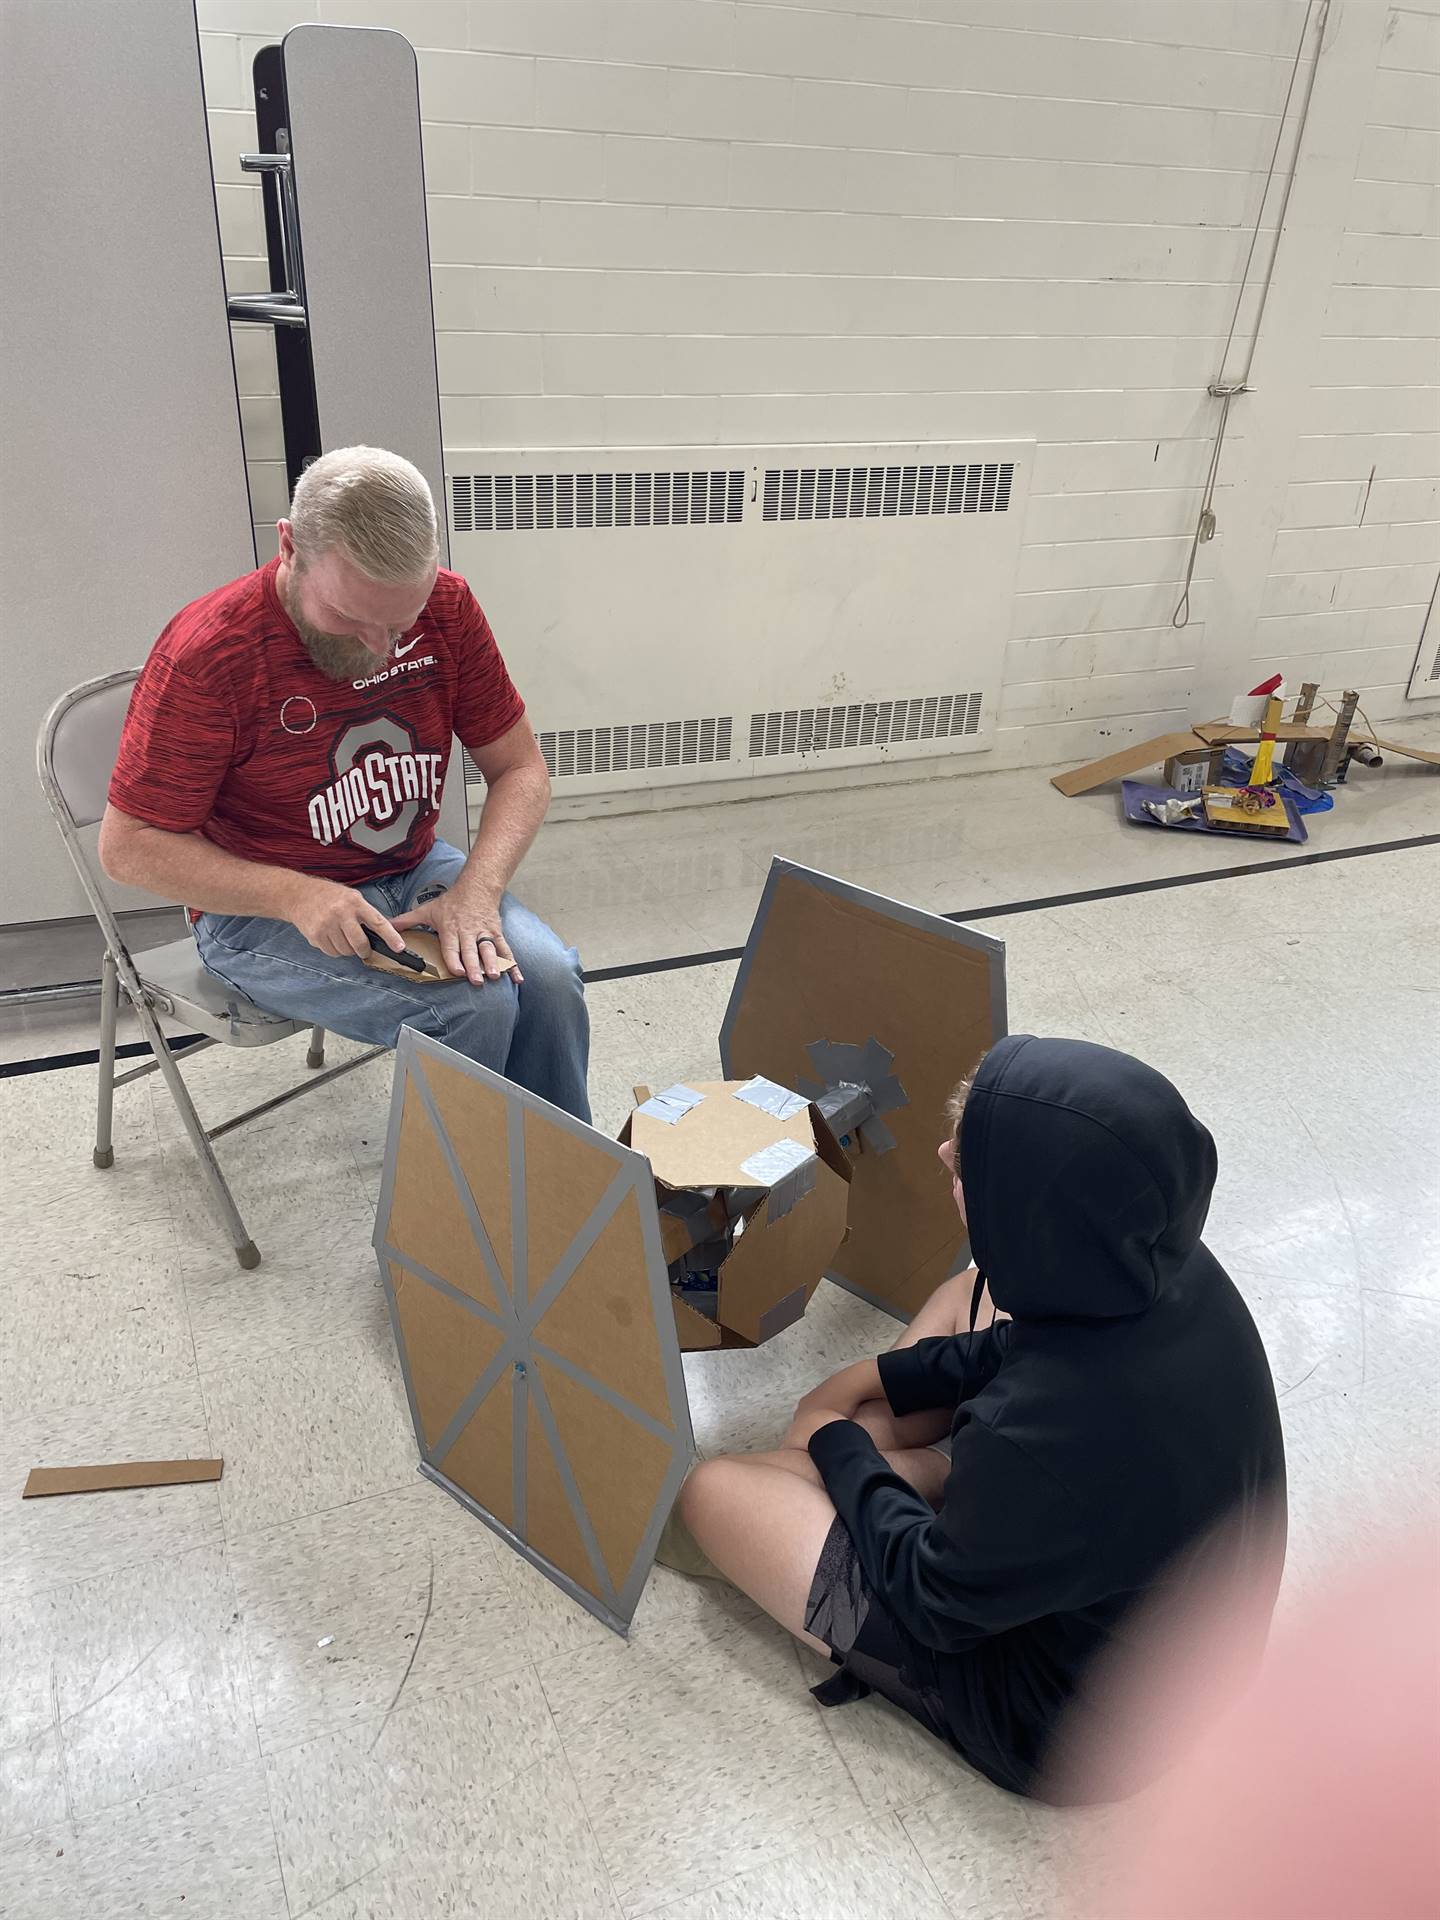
234, 732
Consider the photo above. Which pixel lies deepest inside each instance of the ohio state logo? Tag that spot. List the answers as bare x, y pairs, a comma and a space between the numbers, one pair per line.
381, 787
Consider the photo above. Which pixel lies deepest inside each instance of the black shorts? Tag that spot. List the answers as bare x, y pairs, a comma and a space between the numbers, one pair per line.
865, 1642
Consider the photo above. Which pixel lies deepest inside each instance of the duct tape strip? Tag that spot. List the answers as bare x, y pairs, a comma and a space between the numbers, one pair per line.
846, 1107
672, 1105
783, 1314
788, 1169
771, 1098
840, 1063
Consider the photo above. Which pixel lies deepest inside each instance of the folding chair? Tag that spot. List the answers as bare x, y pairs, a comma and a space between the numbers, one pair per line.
75, 755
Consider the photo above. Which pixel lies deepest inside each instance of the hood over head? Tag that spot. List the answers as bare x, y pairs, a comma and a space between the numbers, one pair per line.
1086, 1178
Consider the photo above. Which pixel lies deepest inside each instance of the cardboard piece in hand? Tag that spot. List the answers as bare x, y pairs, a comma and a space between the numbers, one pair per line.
427, 947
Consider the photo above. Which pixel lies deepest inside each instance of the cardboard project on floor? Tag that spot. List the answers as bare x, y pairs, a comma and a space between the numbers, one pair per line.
875, 1010
752, 1188
521, 1257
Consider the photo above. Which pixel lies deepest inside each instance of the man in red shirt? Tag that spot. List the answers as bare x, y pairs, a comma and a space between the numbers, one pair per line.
281, 770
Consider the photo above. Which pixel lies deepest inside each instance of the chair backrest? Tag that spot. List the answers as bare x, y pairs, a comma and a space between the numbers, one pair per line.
78, 745
75, 756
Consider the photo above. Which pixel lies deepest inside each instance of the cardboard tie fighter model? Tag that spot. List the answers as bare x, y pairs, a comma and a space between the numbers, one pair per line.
752, 1190
542, 1279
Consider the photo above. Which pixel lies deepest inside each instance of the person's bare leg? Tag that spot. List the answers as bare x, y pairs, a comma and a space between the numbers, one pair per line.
947, 1311
921, 1466
898, 1432
763, 1526
763, 1518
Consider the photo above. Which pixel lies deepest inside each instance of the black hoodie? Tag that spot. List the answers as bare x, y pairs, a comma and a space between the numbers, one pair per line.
1100, 1436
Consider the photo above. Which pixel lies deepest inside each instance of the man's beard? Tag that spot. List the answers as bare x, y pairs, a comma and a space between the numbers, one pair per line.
339, 656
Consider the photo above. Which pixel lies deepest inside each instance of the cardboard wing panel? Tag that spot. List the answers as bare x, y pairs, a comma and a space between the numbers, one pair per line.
589, 1308
481, 1462
473, 1116
600, 1321
449, 1349
550, 1524
427, 1219
830, 962
617, 1467
562, 1190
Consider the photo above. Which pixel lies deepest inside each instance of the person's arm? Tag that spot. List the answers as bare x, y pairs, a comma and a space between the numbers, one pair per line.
516, 802
1007, 1545
189, 868
178, 740
928, 1376
944, 1371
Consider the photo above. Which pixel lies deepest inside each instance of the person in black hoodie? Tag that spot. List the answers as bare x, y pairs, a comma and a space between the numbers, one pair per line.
1114, 1445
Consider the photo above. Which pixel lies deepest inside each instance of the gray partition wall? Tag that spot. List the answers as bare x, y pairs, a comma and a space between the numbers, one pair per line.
122, 484
352, 96
354, 103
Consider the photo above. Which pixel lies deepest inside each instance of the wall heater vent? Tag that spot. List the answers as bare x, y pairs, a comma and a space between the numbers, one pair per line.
887, 493
815, 607
542, 502
868, 723
576, 751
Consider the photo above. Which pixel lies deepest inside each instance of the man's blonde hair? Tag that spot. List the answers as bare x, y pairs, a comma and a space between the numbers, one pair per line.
371, 504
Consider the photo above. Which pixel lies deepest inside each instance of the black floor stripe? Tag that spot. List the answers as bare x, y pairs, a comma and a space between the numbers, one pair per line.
90, 1056
966, 914
719, 956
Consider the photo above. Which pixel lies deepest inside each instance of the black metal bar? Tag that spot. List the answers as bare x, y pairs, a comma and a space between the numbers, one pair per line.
293, 365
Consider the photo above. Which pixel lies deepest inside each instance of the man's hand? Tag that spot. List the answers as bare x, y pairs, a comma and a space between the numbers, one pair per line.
472, 941
334, 918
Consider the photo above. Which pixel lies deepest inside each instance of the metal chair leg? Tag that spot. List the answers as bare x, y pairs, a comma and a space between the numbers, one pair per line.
316, 1056
104, 1155
246, 1252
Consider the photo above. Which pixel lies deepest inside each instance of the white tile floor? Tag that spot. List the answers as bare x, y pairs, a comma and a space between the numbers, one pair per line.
170, 1723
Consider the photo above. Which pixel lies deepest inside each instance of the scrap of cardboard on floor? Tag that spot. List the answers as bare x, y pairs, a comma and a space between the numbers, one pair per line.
1167, 746
44, 1481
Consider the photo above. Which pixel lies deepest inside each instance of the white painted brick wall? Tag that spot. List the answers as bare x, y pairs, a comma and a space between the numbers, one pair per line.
1355, 561
692, 221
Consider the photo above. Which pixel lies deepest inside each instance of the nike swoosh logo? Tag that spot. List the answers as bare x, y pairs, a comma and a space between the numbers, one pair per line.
407, 646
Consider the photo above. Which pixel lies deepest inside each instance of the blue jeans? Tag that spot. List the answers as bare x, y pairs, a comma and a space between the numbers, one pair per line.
537, 1035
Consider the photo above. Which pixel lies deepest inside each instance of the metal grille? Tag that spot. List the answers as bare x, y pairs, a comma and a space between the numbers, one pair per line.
886, 493
870, 723
572, 752
536, 502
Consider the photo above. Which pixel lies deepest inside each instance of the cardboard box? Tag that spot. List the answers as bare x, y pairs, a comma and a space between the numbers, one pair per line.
1193, 771
752, 1190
